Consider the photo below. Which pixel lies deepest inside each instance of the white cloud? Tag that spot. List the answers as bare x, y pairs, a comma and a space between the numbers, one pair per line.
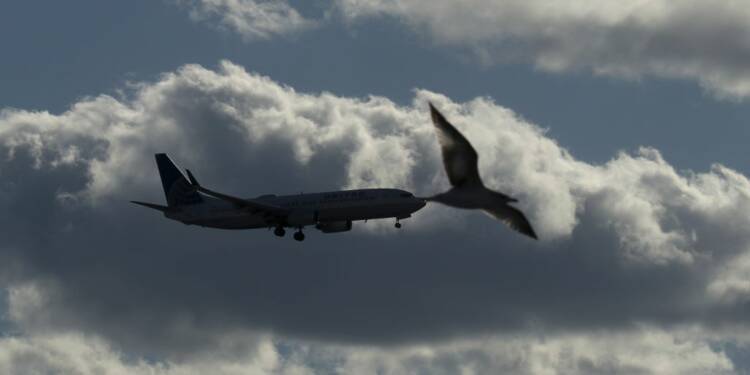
628, 242
691, 39
76, 354
252, 19
642, 351
732, 281
695, 40
381, 144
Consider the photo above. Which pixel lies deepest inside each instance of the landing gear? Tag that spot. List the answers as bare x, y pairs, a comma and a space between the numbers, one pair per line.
299, 236
397, 225
279, 231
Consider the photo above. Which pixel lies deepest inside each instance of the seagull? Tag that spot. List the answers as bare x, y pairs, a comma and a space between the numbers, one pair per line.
468, 191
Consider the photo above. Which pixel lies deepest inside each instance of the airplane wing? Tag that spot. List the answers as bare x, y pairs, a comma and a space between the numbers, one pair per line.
252, 206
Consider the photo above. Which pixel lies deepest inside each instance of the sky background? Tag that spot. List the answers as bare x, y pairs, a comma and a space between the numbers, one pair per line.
86, 48
622, 128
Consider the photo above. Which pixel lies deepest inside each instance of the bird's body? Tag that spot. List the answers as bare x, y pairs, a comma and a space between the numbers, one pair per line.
475, 197
461, 165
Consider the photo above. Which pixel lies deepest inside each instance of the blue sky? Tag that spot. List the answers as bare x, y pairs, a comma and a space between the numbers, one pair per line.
644, 256
85, 48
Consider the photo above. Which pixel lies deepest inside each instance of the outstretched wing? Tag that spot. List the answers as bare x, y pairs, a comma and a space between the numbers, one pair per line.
512, 217
459, 157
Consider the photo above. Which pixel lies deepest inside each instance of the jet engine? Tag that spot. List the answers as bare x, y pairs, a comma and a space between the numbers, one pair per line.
335, 226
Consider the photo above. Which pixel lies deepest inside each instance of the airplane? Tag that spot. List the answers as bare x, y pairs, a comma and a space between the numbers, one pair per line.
330, 212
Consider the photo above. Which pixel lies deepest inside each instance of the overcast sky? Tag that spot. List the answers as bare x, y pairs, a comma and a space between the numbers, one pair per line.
620, 126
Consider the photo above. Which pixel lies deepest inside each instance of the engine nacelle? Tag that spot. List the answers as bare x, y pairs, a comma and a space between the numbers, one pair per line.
335, 226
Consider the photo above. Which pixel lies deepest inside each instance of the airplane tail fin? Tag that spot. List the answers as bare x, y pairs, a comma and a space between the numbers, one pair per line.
178, 190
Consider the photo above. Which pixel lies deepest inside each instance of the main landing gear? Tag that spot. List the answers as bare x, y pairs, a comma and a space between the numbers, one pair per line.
279, 231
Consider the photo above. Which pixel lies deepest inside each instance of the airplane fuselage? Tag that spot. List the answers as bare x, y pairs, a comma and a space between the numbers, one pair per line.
325, 208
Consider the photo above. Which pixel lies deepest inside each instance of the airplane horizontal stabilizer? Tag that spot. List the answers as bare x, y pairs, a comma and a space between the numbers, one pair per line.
152, 206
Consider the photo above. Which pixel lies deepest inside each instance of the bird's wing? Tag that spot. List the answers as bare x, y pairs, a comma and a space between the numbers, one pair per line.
459, 157
512, 217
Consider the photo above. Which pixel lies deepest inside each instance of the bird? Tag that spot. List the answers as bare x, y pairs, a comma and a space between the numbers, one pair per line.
468, 191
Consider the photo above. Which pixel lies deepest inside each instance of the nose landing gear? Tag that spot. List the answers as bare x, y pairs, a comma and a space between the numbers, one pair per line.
397, 225
299, 236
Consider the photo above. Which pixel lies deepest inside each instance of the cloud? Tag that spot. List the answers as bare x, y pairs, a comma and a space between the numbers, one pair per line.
642, 350
251, 19
692, 40
625, 244
83, 355
696, 40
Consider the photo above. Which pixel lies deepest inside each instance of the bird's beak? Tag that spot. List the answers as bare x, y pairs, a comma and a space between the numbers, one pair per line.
419, 202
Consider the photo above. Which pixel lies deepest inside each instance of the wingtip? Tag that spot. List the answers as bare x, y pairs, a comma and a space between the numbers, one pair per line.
433, 109
529, 231
437, 117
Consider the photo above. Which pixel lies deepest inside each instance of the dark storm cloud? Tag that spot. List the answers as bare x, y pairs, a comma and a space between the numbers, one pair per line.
626, 243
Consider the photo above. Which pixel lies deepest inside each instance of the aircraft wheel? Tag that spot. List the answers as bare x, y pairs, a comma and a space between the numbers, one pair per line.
398, 225
299, 236
279, 232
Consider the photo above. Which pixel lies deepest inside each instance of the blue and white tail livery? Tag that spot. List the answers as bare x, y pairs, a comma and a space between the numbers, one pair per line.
177, 189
